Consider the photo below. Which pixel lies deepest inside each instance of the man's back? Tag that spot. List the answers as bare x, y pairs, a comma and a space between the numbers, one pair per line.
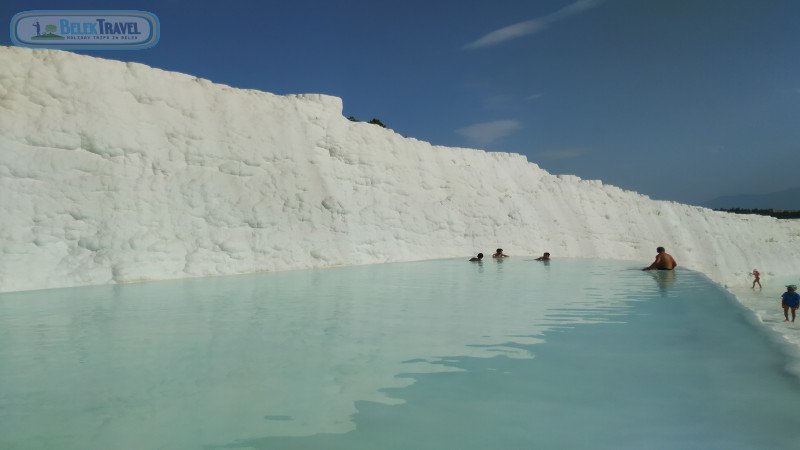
665, 261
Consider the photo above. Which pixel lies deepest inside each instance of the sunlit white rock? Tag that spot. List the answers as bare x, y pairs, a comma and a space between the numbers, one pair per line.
114, 172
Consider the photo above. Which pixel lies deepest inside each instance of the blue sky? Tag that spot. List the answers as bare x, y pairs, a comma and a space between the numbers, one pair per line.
682, 100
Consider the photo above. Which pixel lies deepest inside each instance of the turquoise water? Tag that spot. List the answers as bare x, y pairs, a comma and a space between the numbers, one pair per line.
435, 354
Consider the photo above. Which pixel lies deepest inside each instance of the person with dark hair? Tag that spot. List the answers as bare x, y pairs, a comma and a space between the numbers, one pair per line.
757, 280
477, 258
545, 257
664, 261
790, 299
499, 254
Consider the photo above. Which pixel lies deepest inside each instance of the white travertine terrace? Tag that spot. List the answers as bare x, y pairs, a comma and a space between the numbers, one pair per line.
115, 172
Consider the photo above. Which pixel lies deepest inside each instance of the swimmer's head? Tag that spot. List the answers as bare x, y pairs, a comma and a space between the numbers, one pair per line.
791, 287
499, 250
660, 250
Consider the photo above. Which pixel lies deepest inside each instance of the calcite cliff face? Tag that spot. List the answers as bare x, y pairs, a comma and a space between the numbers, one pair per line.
114, 172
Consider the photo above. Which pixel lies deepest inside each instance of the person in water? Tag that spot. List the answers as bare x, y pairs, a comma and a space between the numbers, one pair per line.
664, 261
757, 280
477, 258
790, 299
545, 257
499, 254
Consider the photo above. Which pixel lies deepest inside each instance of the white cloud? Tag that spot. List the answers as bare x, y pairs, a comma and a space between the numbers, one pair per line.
485, 133
533, 97
532, 26
562, 154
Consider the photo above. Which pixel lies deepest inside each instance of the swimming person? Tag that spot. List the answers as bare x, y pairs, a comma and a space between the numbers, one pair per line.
545, 257
664, 261
477, 258
790, 299
757, 275
499, 254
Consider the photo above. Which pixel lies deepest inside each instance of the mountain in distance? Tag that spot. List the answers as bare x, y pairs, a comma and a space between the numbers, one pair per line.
784, 200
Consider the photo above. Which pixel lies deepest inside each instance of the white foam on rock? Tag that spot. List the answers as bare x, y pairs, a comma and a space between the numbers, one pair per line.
115, 172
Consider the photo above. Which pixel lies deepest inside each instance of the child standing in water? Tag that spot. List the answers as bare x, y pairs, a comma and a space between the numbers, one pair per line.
790, 299
757, 275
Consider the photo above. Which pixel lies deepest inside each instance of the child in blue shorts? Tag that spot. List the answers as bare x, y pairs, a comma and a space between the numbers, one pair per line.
790, 299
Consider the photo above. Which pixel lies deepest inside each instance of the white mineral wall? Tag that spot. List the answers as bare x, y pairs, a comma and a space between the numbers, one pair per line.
118, 172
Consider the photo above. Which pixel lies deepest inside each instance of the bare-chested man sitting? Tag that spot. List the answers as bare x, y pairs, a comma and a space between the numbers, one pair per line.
664, 261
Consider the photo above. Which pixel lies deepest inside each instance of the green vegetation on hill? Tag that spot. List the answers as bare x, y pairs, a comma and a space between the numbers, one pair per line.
374, 121
777, 213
